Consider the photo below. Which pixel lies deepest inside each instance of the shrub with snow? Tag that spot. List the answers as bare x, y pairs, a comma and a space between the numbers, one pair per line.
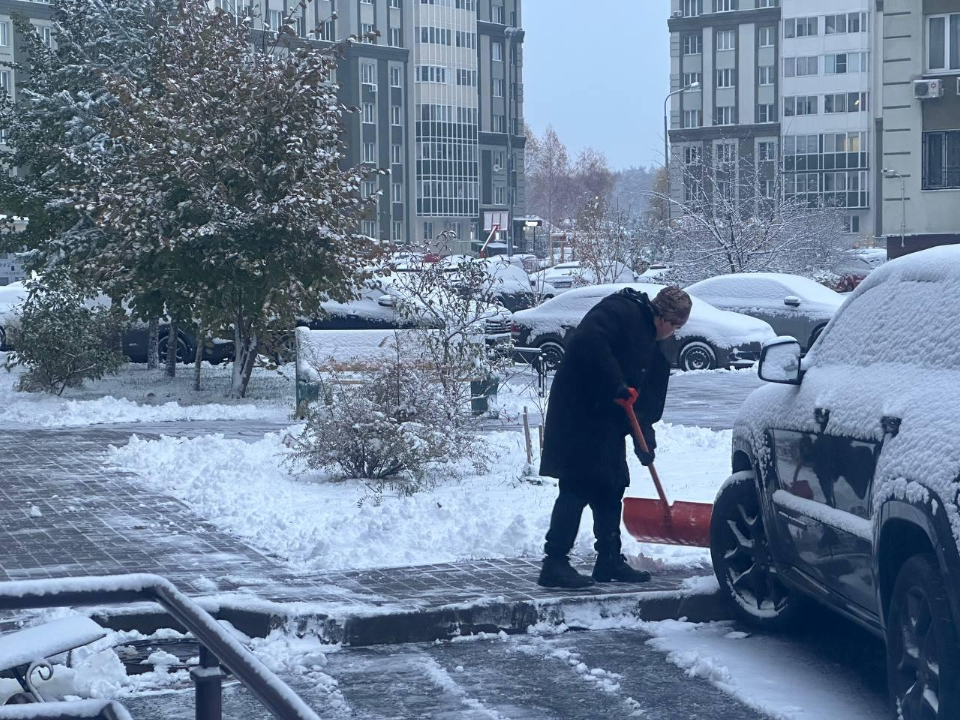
392, 427
62, 342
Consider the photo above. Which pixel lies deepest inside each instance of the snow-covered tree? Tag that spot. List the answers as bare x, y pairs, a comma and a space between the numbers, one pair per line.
735, 217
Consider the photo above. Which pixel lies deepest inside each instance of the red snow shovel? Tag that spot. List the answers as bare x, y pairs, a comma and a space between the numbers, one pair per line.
657, 521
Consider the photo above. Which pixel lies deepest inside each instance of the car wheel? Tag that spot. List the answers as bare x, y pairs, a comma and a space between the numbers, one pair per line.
551, 355
183, 352
923, 657
697, 355
742, 562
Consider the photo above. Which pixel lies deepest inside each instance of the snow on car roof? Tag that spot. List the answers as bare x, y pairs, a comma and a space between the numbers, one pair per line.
721, 328
766, 287
891, 351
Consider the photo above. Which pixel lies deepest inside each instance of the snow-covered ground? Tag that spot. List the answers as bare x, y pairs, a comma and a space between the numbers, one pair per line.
136, 394
317, 524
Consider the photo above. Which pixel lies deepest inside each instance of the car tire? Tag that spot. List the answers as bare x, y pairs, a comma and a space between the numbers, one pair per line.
742, 561
697, 355
551, 355
183, 350
923, 656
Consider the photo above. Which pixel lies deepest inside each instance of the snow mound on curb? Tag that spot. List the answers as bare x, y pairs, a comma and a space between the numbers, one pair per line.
252, 491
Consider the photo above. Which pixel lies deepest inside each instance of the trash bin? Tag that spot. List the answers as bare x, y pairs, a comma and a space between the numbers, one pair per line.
480, 393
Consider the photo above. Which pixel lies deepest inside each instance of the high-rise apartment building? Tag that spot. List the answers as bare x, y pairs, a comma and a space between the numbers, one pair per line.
438, 85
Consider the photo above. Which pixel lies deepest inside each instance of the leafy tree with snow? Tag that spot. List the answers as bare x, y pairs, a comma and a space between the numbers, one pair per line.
62, 340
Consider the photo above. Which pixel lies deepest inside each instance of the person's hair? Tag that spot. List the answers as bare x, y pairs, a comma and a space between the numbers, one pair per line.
673, 305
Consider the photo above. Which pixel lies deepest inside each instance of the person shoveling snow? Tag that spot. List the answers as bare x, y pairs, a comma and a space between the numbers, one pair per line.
612, 355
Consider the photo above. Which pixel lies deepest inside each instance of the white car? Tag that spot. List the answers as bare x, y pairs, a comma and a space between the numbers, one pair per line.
711, 339
569, 275
793, 305
11, 297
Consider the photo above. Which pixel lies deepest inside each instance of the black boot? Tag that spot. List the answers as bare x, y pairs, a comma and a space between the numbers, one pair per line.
614, 568
558, 573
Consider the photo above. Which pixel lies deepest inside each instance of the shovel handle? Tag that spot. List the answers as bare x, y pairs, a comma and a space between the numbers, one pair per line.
638, 436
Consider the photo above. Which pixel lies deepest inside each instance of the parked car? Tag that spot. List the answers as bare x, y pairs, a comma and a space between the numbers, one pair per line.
793, 305
569, 275
375, 308
507, 282
711, 338
846, 471
11, 296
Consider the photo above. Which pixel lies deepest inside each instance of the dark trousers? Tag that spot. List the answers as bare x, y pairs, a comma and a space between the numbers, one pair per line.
607, 507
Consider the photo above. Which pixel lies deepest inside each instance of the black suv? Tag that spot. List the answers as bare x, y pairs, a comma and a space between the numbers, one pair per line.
846, 474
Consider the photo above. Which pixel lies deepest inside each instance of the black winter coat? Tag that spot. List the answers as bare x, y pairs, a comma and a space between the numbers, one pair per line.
585, 429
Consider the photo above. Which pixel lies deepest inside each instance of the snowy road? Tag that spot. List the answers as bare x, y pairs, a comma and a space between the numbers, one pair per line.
655, 671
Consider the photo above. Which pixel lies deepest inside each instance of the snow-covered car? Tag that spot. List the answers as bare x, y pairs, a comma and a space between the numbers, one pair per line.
11, 297
711, 338
507, 282
569, 275
375, 308
792, 305
846, 479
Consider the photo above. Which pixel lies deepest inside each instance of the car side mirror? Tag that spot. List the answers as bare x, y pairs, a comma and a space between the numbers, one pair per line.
792, 301
385, 301
780, 362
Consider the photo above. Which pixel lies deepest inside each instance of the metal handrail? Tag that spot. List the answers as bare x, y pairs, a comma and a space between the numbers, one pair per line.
76, 710
270, 690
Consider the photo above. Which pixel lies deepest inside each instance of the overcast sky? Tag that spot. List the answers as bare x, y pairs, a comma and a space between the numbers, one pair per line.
598, 72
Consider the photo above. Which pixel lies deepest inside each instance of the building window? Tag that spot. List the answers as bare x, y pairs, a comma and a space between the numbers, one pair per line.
370, 228
367, 189
941, 160
498, 15
396, 77
5, 82
396, 154
726, 78
498, 160
855, 22
801, 66
368, 73
428, 231
726, 40
499, 124
466, 40
398, 192
369, 113
725, 115
766, 113
724, 5
367, 31
46, 35
498, 88
766, 75
369, 152
692, 44
398, 231
768, 3
497, 49
396, 37
803, 105
842, 63
692, 154
366, 2
768, 36
766, 150
324, 30
499, 195
692, 119
851, 224
845, 103
396, 115
273, 20
395, 4
801, 27
943, 42
431, 74
768, 189
690, 79
692, 8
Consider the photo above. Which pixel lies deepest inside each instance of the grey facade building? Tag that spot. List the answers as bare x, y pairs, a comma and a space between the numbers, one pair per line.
725, 119
919, 131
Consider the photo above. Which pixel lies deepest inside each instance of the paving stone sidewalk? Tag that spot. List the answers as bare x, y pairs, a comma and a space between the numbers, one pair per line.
63, 514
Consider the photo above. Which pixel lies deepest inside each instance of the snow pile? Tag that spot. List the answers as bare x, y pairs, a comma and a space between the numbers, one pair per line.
890, 352
720, 328
320, 525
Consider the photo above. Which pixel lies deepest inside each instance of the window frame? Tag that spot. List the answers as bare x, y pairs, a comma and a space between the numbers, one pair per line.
950, 54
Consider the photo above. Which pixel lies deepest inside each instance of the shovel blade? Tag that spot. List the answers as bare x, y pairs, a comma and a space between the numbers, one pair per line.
653, 521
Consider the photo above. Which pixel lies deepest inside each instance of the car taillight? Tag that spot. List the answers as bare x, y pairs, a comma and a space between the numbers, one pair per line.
514, 329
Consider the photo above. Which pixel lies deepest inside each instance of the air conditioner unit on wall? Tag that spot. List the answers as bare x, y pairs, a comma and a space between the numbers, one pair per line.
926, 89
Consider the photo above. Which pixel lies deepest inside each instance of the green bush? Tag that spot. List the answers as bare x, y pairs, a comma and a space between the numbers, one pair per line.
62, 342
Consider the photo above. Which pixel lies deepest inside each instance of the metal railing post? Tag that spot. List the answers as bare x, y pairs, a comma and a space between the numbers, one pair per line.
208, 679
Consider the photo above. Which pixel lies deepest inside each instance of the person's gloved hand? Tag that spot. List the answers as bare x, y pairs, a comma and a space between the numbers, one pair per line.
624, 393
645, 458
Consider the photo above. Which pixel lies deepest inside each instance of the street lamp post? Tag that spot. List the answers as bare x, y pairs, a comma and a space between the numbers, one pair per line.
511, 36
666, 130
890, 174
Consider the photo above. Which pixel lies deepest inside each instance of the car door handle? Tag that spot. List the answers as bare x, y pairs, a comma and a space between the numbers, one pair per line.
791, 520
